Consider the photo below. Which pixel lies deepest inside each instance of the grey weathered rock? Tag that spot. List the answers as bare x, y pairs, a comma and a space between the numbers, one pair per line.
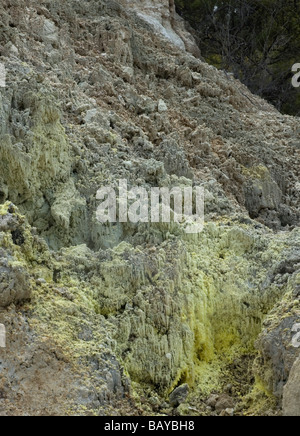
179, 395
262, 194
14, 282
212, 401
174, 158
291, 393
162, 17
8, 222
275, 343
162, 107
224, 402
2, 336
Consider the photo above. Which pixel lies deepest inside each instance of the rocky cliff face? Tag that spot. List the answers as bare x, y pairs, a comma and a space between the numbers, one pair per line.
107, 319
162, 17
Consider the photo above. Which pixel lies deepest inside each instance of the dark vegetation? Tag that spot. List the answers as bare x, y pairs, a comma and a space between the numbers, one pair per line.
257, 40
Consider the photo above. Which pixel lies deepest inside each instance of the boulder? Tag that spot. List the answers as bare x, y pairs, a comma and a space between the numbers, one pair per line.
291, 392
179, 395
14, 283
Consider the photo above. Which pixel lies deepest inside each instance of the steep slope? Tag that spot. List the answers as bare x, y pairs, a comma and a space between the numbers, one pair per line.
107, 319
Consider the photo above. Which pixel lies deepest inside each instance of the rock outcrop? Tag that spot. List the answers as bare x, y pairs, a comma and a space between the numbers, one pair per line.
162, 17
291, 397
124, 314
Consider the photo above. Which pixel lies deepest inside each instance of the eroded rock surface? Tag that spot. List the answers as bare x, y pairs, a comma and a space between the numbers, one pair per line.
291, 397
125, 314
162, 17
